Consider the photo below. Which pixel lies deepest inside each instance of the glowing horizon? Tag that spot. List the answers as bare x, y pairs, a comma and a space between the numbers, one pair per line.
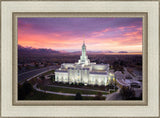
67, 34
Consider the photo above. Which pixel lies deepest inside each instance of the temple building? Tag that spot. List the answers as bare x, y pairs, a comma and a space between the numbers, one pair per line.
84, 72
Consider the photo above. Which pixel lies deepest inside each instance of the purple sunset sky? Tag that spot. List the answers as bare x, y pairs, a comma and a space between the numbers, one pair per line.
100, 34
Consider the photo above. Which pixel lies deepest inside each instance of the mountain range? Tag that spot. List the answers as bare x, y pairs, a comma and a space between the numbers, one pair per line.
28, 50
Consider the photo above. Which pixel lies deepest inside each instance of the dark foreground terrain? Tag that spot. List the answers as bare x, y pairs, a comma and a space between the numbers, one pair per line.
31, 60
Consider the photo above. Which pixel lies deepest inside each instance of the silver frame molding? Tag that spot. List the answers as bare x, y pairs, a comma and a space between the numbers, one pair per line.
144, 102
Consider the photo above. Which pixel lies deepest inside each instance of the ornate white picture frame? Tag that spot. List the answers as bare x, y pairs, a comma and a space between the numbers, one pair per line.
148, 10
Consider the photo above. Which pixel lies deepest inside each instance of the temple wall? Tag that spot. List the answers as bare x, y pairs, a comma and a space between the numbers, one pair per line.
61, 77
67, 65
78, 75
100, 67
85, 76
97, 79
82, 76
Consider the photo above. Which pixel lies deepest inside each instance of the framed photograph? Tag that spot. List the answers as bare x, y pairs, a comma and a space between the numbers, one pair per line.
80, 59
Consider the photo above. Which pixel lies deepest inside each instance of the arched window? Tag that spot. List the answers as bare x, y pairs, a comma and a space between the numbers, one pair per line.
96, 82
99, 82
102, 82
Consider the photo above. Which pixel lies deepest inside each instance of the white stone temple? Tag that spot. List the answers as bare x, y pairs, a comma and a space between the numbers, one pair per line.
84, 72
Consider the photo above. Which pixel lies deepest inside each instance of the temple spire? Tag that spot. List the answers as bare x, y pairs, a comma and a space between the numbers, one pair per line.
84, 58
83, 41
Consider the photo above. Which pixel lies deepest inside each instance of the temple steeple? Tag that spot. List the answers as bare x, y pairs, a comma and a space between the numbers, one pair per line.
84, 58
83, 50
83, 41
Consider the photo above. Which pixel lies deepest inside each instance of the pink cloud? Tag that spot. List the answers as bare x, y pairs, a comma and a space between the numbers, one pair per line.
129, 41
100, 33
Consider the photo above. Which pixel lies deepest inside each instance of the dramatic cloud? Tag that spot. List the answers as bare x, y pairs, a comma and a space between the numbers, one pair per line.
100, 34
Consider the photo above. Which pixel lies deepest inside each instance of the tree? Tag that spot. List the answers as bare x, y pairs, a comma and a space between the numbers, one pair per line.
78, 96
36, 64
42, 77
99, 96
127, 93
27, 87
118, 65
21, 95
27, 67
24, 90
